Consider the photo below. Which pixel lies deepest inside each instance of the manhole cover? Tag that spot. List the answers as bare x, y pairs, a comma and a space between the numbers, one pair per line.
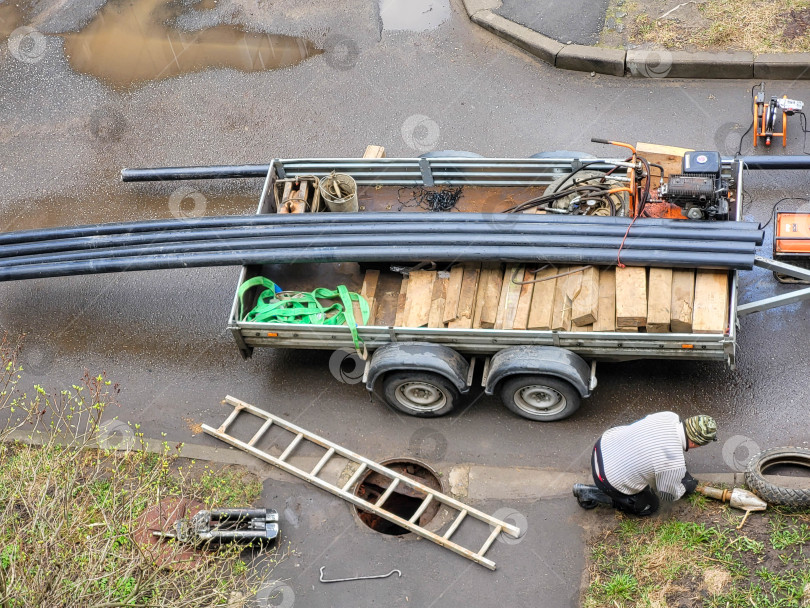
403, 501
161, 518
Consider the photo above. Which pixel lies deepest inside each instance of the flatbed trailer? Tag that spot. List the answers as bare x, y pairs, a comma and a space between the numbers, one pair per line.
540, 375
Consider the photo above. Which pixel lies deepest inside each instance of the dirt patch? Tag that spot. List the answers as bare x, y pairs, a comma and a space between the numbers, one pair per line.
759, 26
693, 555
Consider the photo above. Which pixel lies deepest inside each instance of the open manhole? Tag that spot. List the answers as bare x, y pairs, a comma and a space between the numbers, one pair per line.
403, 501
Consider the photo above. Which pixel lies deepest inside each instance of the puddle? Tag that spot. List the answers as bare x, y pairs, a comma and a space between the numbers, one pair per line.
413, 15
129, 43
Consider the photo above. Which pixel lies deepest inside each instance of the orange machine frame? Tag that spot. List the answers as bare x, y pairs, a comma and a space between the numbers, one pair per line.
759, 124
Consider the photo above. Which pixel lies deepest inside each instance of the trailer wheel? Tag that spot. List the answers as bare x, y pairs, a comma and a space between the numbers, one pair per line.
770, 492
422, 394
542, 398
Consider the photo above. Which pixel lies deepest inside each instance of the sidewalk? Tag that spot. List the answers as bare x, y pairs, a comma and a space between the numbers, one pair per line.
565, 37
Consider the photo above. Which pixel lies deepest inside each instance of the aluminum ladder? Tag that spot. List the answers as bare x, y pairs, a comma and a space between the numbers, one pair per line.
364, 465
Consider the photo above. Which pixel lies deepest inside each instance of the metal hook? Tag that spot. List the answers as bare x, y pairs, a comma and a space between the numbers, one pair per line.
356, 578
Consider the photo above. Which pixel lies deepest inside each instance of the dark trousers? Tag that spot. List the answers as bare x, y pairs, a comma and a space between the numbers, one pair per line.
644, 503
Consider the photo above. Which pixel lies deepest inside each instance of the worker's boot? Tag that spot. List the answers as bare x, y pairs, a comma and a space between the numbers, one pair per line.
590, 497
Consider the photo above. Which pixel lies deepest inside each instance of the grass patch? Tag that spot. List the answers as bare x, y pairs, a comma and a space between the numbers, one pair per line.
69, 510
695, 556
759, 26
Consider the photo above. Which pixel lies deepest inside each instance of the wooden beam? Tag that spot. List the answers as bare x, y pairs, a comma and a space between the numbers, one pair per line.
561, 313
711, 302
489, 311
659, 300
420, 292
369, 292
436, 315
402, 302
586, 304
669, 157
452, 294
683, 297
631, 297
606, 319
524, 302
542, 306
374, 152
466, 300
510, 292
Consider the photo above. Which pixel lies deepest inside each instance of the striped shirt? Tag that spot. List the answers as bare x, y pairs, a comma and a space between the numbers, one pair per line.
648, 452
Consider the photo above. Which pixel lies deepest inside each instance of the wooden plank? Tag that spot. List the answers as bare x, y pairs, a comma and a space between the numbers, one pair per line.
561, 308
452, 294
483, 279
466, 300
489, 313
582, 327
542, 306
507, 305
606, 318
402, 303
512, 293
369, 292
711, 302
683, 296
631, 297
374, 152
435, 317
669, 157
386, 299
586, 305
659, 300
524, 302
420, 291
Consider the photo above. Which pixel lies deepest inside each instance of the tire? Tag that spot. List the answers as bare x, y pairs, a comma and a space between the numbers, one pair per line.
422, 394
541, 398
772, 493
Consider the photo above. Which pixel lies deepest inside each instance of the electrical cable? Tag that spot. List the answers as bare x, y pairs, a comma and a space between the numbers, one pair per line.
750, 125
787, 198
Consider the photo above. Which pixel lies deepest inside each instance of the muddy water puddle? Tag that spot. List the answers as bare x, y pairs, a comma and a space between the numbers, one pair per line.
130, 42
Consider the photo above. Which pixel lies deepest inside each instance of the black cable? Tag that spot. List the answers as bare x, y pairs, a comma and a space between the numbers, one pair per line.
750, 125
787, 198
803, 125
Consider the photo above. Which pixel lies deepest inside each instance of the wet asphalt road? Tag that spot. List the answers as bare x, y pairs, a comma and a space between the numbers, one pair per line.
64, 136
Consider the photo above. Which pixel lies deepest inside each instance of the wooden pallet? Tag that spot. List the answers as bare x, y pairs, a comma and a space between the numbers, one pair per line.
565, 298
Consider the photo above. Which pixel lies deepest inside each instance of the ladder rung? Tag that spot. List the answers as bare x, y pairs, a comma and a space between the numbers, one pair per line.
291, 447
455, 524
329, 453
421, 508
490, 540
231, 417
355, 477
388, 492
260, 432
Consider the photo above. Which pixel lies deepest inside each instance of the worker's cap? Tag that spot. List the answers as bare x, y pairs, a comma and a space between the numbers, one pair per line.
700, 429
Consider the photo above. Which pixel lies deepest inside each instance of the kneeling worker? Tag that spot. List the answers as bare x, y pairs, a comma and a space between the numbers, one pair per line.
628, 461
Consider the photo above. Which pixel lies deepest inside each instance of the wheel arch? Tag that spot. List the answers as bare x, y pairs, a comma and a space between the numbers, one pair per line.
544, 360
418, 356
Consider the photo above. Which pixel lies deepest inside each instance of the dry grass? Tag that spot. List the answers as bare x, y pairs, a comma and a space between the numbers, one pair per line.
759, 26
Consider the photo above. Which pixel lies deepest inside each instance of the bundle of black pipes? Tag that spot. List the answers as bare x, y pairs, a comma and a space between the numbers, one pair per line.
375, 237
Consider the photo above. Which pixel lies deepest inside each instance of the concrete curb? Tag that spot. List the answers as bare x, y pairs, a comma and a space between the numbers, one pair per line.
639, 63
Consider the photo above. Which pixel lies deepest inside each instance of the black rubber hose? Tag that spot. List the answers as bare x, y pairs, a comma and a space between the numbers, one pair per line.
380, 240
388, 254
324, 230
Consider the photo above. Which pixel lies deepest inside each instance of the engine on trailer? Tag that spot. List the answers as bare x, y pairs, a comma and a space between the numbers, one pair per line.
699, 190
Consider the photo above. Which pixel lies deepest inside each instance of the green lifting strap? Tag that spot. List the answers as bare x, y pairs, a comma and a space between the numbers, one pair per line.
303, 307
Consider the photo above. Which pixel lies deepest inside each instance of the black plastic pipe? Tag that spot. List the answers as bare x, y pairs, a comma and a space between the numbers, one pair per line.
773, 163
295, 243
158, 174
555, 255
42, 234
316, 231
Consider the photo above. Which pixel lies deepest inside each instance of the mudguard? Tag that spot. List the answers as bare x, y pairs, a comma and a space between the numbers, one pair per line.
418, 356
545, 360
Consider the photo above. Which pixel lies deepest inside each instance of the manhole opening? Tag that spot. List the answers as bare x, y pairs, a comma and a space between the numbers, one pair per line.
403, 501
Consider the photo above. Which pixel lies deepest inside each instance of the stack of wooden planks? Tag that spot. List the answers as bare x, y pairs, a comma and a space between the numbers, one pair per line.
565, 298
